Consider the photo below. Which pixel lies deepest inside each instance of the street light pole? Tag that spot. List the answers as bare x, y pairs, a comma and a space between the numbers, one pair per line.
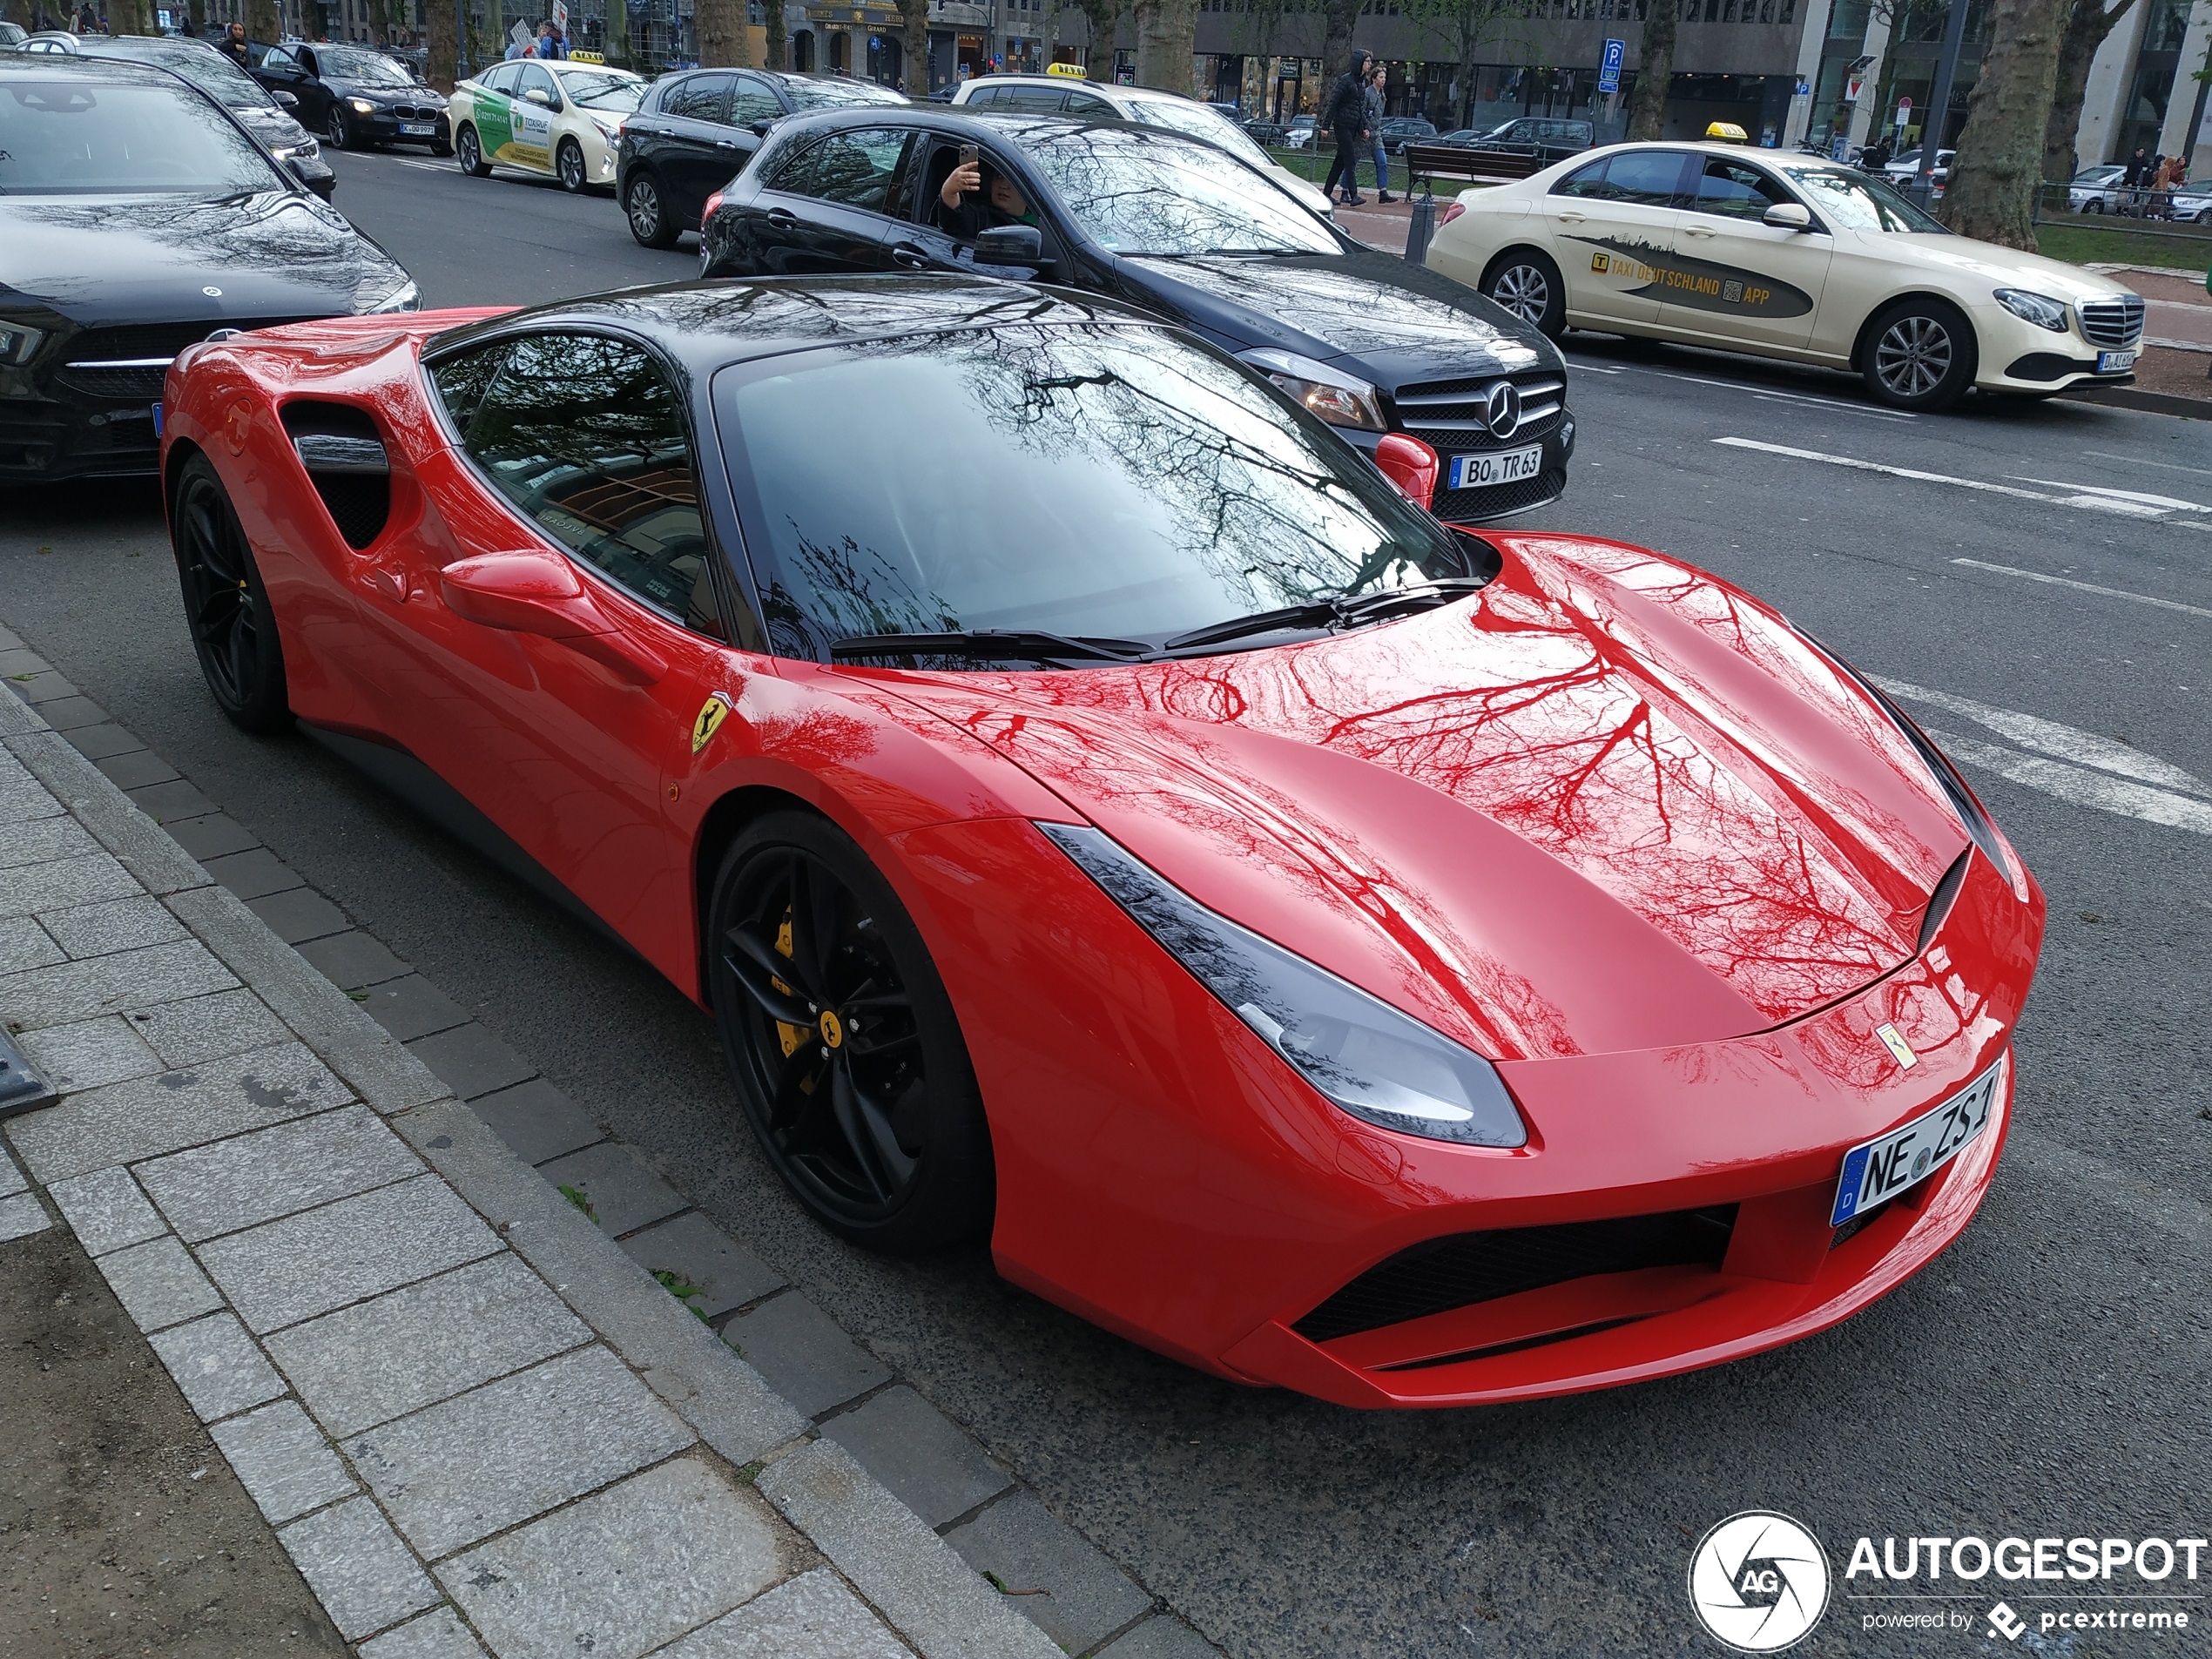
1954, 32
460, 41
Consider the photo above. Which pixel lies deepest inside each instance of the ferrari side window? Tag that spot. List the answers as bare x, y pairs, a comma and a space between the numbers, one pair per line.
586, 436
461, 381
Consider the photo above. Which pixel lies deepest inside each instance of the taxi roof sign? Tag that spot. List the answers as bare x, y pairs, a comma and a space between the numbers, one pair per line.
1727, 132
1073, 71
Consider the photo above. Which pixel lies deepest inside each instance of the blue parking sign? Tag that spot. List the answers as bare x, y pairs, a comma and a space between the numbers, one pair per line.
1609, 77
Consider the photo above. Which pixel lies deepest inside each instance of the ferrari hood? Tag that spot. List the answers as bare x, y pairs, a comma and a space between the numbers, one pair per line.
1609, 803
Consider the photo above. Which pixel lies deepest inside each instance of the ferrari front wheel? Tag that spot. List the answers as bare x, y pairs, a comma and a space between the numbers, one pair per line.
226, 607
848, 1058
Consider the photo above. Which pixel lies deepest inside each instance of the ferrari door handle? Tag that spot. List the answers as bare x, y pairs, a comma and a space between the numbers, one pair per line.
781, 220
390, 582
913, 258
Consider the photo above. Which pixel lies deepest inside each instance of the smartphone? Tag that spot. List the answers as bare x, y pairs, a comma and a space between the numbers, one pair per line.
970, 154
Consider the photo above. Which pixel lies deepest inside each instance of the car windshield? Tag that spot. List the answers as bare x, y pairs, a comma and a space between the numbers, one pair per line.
1093, 480
1139, 191
823, 95
1196, 121
1859, 201
601, 89
370, 68
77, 136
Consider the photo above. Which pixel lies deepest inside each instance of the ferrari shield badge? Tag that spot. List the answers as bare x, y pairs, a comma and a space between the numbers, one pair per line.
1897, 1045
712, 713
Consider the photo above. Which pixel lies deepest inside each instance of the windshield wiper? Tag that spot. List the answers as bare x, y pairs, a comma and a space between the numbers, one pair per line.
1339, 611
1023, 644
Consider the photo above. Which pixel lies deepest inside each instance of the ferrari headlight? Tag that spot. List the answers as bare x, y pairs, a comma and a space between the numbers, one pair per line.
406, 297
361, 107
18, 342
1338, 398
1383, 1067
2037, 308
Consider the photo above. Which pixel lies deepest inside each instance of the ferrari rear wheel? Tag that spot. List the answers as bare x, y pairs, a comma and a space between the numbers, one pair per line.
471, 153
848, 1056
568, 162
226, 607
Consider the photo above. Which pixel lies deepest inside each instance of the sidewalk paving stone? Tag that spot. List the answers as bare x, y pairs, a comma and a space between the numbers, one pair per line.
217, 1366
159, 1284
1085, 1597
147, 1117
106, 1211
212, 836
1160, 1638
252, 1178
41, 684
255, 873
69, 713
357, 1567
97, 743
12, 1180
924, 1460
905, 1569
538, 1121
201, 1028
112, 925
407, 1005
283, 1271
165, 803
802, 1353
470, 1061
698, 1251
620, 1572
414, 1346
62, 884
438, 1633
114, 820
89, 1055
132, 768
22, 1215
283, 1462
24, 944
21, 800
41, 840
351, 960
459, 1471
130, 979
299, 915
813, 1616
623, 1193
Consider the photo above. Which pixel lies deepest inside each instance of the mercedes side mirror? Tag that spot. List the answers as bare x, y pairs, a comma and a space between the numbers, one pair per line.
1410, 464
288, 100
1011, 245
760, 129
1789, 216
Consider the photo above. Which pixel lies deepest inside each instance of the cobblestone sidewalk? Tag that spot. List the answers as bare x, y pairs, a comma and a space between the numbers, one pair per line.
478, 1424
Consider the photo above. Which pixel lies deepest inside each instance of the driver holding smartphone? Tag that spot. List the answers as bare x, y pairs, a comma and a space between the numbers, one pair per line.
966, 219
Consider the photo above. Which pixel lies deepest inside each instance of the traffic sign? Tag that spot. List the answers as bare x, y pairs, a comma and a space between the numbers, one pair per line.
1609, 77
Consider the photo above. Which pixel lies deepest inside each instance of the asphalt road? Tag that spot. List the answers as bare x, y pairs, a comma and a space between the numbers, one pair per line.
2047, 1377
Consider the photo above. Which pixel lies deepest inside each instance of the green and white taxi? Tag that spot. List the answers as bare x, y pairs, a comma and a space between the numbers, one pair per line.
555, 117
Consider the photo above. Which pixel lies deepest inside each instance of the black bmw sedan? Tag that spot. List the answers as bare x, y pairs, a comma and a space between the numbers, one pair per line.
137, 216
355, 95
1366, 342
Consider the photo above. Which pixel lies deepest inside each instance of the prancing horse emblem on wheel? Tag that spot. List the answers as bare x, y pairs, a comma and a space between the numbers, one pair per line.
833, 1029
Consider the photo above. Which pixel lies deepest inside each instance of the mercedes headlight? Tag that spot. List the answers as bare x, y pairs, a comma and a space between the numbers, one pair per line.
1338, 398
361, 107
406, 297
18, 341
1382, 1067
2037, 308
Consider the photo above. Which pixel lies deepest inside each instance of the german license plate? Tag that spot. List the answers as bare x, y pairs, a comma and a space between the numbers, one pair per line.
1508, 467
1883, 1167
417, 129
2111, 363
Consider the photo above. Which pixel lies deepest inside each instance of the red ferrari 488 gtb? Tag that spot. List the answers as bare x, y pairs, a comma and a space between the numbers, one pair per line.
1101, 810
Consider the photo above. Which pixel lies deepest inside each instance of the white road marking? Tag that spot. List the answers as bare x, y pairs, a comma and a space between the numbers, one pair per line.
2137, 460
1787, 397
1594, 368
2083, 770
2095, 504
2139, 496
2091, 587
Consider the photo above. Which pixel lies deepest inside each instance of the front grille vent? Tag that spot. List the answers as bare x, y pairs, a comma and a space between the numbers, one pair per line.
1499, 500
1455, 417
1464, 1268
117, 382
2112, 323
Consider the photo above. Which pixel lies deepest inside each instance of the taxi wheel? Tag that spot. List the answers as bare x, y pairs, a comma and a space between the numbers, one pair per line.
471, 153
648, 215
567, 161
848, 1056
1918, 354
226, 607
1528, 284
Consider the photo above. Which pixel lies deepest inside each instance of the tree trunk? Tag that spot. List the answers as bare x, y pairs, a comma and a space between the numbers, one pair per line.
1167, 41
1339, 18
778, 56
261, 22
128, 17
617, 43
718, 25
438, 38
1102, 21
2087, 23
1991, 195
1655, 71
915, 47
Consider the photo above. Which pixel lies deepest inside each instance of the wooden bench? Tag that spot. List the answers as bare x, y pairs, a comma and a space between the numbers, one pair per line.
1427, 162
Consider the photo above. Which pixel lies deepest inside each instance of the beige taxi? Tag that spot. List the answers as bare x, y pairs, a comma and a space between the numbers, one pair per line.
1789, 256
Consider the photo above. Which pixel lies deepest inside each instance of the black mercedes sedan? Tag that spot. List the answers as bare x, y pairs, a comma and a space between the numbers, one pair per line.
355, 95
1186, 230
137, 217
693, 132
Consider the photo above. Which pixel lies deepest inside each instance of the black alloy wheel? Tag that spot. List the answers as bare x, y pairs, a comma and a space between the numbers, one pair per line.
226, 608
1528, 284
648, 220
471, 153
568, 162
1918, 354
335, 132
846, 1053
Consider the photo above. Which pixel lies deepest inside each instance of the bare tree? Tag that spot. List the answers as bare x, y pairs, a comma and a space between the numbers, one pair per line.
1167, 41
1103, 20
1339, 18
261, 22
1466, 25
778, 55
442, 44
2087, 23
915, 50
1991, 195
1655, 71
724, 41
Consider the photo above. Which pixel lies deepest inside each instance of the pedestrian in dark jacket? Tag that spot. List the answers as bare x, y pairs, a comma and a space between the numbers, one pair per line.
232, 46
1344, 114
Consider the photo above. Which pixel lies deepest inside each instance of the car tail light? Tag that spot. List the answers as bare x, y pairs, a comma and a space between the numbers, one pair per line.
712, 202
1452, 211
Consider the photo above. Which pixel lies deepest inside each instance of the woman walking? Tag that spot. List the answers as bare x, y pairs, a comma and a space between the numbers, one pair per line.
1344, 114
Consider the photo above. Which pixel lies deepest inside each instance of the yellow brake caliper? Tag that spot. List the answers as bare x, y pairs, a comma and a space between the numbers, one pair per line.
790, 1036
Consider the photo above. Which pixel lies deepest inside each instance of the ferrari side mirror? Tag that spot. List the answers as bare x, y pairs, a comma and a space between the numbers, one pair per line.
1410, 464
542, 594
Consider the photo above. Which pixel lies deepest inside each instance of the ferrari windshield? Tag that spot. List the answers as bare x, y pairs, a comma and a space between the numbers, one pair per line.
76, 136
1087, 481
1859, 201
1144, 190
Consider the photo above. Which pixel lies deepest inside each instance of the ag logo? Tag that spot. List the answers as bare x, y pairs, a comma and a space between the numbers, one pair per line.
2003, 1622
712, 713
1758, 1581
